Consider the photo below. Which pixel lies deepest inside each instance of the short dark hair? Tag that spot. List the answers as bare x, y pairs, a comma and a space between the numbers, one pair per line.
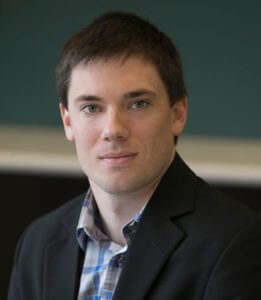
120, 34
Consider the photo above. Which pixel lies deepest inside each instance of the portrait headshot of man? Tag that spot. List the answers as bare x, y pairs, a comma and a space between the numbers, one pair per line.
147, 226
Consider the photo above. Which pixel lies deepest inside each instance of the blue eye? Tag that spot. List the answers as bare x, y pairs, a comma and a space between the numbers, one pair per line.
139, 104
91, 108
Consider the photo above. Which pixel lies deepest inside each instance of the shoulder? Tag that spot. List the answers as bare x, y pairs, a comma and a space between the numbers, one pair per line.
212, 202
222, 217
198, 207
55, 228
54, 224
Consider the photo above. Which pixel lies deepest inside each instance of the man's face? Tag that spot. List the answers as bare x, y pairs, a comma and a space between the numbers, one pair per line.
122, 124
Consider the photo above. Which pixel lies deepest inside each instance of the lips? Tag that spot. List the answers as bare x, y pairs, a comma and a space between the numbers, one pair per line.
118, 157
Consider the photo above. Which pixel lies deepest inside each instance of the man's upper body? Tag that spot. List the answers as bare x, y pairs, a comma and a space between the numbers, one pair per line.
123, 104
191, 243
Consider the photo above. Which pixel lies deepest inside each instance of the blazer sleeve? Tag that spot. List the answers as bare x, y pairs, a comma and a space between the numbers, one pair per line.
237, 272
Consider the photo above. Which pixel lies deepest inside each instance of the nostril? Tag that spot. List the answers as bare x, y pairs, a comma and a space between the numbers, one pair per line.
114, 137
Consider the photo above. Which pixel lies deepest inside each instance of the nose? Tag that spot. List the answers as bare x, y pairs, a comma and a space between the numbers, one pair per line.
115, 126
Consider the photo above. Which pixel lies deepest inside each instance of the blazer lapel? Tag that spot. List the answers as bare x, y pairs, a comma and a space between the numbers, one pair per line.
63, 261
145, 260
157, 236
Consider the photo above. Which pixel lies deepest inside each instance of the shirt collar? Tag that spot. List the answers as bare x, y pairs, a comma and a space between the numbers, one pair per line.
89, 225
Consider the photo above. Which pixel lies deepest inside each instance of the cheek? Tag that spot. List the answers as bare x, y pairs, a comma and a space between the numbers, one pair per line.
85, 141
85, 132
157, 137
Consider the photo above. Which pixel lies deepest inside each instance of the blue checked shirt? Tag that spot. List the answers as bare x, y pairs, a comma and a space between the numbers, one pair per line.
103, 258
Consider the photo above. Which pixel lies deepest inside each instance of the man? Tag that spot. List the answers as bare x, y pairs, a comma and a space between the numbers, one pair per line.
148, 227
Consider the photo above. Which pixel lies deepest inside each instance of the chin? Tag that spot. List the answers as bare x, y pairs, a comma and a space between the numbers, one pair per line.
117, 186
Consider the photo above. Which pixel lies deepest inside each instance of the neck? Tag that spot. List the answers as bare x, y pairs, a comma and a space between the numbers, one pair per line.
117, 210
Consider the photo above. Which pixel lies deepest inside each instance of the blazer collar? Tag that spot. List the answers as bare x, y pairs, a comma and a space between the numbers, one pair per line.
157, 235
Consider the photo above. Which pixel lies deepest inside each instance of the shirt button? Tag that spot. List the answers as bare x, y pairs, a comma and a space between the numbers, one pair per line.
132, 223
120, 261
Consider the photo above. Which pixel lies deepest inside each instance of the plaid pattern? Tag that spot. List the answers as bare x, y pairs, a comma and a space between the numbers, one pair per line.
104, 259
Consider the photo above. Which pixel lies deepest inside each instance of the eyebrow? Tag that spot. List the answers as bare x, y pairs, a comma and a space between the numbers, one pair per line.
83, 98
138, 93
128, 95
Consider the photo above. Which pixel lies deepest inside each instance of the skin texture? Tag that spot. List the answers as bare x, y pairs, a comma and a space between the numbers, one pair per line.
122, 124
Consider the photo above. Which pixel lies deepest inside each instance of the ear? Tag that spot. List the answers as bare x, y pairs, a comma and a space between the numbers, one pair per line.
180, 112
66, 118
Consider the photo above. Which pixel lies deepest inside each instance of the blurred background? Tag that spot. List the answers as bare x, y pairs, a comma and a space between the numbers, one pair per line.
220, 46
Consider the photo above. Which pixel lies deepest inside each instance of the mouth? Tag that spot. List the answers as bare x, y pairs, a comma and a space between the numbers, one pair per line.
118, 158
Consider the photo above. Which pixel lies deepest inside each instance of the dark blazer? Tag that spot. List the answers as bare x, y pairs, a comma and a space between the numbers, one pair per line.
192, 243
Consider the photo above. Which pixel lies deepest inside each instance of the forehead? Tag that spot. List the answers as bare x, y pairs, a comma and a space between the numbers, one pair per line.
117, 73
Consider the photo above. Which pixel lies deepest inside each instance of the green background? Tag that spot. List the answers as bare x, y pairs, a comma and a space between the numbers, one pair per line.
219, 41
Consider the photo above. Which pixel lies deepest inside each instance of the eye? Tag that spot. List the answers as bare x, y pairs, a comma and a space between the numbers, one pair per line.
139, 104
91, 108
